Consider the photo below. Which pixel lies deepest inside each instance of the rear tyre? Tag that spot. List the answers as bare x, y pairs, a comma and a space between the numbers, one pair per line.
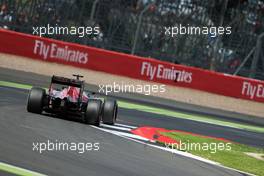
92, 115
110, 112
36, 100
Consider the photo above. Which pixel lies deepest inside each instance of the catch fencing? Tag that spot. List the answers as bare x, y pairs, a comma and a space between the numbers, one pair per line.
137, 27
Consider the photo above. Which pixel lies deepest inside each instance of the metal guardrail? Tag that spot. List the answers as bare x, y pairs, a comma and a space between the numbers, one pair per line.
137, 27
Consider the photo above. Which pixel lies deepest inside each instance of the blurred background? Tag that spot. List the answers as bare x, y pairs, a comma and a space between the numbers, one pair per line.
137, 27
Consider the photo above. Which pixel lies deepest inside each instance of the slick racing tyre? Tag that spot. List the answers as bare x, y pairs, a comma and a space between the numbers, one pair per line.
110, 112
93, 112
36, 100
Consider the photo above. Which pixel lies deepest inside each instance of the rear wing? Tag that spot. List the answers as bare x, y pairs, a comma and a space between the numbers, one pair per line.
67, 81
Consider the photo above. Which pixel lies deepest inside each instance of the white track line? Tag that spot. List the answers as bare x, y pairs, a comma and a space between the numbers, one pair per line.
137, 139
127, 136
118, 133
116, 127
127, 126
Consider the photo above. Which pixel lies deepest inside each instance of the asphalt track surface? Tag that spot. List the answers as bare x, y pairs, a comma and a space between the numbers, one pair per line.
117, 156
139, 118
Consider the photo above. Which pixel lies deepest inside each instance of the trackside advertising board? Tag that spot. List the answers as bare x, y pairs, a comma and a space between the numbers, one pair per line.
148, 69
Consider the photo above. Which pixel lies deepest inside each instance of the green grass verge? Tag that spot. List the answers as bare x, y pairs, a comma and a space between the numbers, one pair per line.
226, 153
17, 171
199, 118
160, 111
15, 85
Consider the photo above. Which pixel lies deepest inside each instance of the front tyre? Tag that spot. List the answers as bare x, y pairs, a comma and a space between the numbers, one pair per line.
110, 112
92, 114
36, 100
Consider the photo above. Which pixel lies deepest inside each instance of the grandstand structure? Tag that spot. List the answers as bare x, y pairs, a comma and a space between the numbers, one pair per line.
137, 27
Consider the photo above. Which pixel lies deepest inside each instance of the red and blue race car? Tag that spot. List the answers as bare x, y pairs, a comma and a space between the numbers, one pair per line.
67, 97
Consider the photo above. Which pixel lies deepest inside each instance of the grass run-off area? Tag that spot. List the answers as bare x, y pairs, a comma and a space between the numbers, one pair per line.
227, 153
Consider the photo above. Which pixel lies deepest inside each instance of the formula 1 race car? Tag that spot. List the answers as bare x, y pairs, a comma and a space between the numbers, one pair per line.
67, 97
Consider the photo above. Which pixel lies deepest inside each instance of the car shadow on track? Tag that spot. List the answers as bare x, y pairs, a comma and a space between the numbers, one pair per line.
64, 117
